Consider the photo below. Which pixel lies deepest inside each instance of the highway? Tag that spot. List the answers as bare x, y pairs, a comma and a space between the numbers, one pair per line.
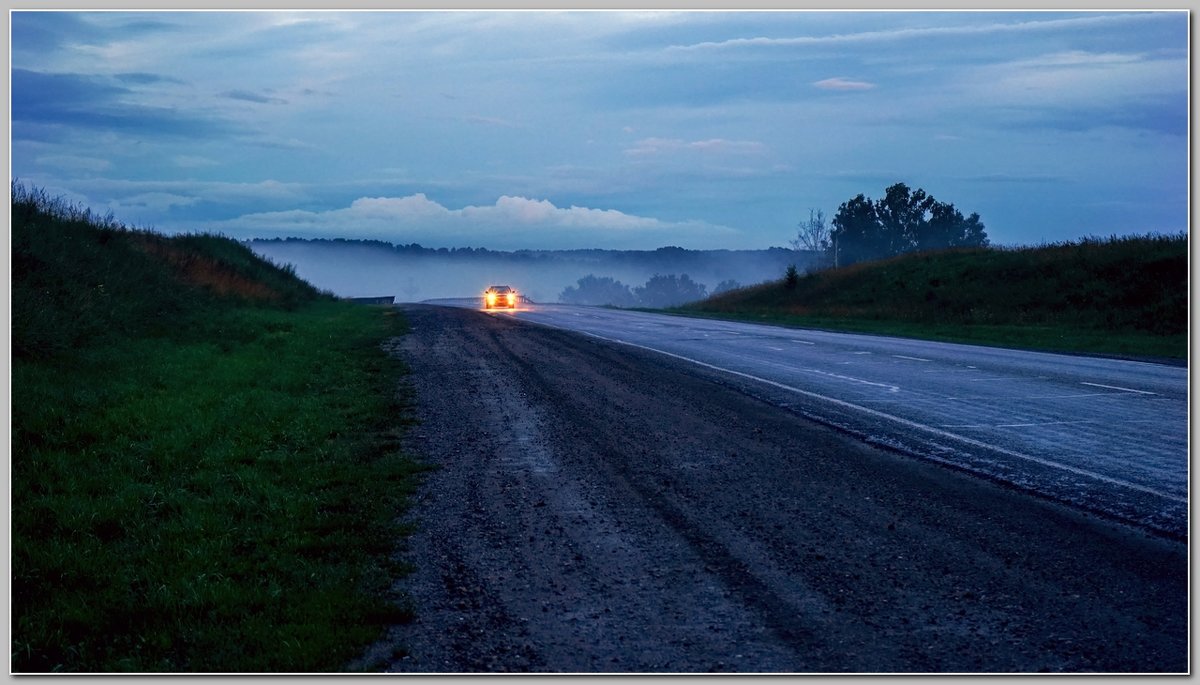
1108, 436
765, 500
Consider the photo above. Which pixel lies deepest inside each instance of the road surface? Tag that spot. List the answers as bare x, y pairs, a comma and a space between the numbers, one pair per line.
599, 507
1106, 435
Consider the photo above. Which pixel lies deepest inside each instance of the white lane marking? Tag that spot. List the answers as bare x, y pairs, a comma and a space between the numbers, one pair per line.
1047, 423
1044, 423
804, 342
852, 379
860, 353
904, 422
993, 398
915, 359
1114, 387
777, 349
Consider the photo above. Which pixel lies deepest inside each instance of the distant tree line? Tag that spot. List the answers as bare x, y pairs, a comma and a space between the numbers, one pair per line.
901, 221
659, 291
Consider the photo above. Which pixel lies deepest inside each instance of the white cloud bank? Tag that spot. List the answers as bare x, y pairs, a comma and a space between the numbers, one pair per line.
511, 223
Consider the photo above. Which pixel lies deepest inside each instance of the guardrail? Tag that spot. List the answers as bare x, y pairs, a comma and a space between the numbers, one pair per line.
383, 299
522, 299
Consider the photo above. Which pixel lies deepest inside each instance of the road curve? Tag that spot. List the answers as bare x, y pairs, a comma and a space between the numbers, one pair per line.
1106, 435
603, 508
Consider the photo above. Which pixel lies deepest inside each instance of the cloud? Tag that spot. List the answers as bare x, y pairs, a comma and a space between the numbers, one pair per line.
145, 78
249, 96
1040, 179
42, 32
194, 162
74, 162
673, 161
95, 102
512, 222
922, 33
1079, 75
1079, 90
156, 202
110, 192
843, 84
648, 147
489, 121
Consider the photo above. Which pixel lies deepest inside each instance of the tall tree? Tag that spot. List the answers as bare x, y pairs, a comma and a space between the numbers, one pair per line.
901, 215
856, 235
901, 221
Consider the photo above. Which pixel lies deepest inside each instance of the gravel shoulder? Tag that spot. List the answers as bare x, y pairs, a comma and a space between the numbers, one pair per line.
598, 509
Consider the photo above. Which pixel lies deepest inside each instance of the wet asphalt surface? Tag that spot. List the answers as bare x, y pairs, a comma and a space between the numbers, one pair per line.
1103, 434
603, 509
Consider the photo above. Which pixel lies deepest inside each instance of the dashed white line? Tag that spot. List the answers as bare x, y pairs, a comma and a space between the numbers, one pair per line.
1045, 423
777, 349
915, 359
1115, 387
804, 342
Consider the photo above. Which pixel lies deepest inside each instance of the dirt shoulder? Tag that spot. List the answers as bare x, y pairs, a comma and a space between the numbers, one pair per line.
602, 509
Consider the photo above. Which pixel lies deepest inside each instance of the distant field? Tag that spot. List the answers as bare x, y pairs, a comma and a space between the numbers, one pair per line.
1122, 296
205, 464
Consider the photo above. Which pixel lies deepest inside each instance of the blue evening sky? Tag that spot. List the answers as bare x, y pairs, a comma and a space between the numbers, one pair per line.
533, 129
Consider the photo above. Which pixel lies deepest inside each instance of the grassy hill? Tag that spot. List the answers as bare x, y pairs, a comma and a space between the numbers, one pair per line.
1118, 296
205, 473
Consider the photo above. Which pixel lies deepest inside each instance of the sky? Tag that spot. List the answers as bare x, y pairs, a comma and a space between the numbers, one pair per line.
602, 129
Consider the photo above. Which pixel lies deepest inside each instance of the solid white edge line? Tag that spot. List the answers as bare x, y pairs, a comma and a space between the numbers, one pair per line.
896, 419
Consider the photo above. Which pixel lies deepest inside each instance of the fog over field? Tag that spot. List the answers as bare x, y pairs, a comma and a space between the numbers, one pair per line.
413, 273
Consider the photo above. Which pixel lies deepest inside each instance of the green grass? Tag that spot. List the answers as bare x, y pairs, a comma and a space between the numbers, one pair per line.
1123, 296
202, 481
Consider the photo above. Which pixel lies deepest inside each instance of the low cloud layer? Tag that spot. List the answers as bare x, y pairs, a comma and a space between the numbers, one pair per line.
511, 223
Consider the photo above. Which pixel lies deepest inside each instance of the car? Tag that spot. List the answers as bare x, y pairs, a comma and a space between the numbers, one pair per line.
499, 296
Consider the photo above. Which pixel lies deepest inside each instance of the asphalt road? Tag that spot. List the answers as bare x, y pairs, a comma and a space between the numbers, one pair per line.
598, 507
1105, 435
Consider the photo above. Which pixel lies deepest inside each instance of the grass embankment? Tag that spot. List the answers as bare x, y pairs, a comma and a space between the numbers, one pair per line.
1122, 296
205, 472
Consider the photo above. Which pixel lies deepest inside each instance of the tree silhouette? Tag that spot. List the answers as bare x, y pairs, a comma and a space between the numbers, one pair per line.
813, 234
856, 235
598, 291
726, 286
669, 291
901, 221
